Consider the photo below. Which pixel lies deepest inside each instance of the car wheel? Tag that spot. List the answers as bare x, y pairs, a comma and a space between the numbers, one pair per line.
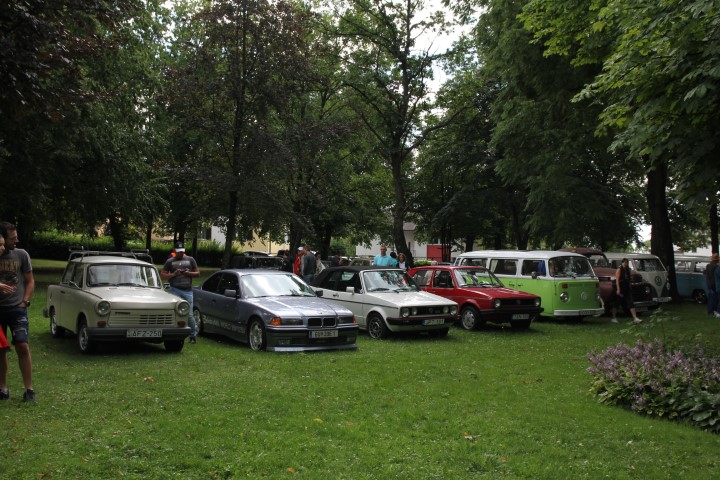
174, 346
700, 296
84, 343
441, 333
470, 318
521, 325
256, 336
376, 327
199, 325
55, 330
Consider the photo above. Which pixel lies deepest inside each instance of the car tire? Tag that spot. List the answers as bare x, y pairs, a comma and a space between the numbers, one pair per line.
700, 296
85, 345
199, 325
256, 336
376, 327
174, 346
470, 318
55, 330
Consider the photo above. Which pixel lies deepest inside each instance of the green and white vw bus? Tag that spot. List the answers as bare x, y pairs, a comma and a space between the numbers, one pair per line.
565, 281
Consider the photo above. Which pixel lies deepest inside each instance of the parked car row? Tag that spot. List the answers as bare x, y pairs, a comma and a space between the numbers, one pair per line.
119, 296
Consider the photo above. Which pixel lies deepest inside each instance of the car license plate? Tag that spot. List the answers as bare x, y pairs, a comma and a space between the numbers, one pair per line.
521, 316
144, 333
434, 321
323, 333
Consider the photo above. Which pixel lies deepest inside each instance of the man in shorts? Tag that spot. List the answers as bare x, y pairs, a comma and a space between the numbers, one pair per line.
16, 287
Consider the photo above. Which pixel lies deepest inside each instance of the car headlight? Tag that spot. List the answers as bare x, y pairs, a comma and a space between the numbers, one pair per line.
404, 312
446, 309
647, 289
496, 303
413, 311
102, 307
346, 320
537, 302
182, 308
564, 296
453, 310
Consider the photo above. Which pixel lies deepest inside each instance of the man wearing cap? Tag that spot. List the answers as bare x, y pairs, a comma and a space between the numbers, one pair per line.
712, 298
180, 270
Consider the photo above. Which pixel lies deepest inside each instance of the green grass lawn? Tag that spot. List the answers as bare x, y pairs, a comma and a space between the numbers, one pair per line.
488, 404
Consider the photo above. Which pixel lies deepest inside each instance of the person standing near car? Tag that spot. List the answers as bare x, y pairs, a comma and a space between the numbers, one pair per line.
179, 271
623, 291
308, 265
4, 345
17, 285
712, 297
384, 260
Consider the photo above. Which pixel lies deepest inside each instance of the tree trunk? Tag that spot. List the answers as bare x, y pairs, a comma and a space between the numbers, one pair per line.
231, 227
116, 230
714, 228
661, 243
399, 210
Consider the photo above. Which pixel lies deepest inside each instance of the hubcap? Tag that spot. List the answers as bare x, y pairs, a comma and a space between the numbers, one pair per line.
255, 336
468, 320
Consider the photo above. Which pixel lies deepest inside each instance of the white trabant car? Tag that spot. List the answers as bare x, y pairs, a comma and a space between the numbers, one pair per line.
385, 299
115, 296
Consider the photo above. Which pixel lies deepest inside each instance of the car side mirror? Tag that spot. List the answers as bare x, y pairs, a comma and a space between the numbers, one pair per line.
534, 275
350, 289
318, 293
230, 293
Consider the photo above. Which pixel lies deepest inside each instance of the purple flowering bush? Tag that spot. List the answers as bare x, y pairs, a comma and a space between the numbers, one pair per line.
650, 379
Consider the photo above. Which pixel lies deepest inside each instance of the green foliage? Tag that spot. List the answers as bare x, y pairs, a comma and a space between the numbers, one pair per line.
652, 380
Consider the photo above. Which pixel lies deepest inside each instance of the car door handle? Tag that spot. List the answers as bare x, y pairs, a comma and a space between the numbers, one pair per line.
335, 295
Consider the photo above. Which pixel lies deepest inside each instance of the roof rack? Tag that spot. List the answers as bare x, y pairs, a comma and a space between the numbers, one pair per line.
142, 254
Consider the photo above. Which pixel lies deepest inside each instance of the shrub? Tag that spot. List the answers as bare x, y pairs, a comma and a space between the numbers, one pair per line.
652, 380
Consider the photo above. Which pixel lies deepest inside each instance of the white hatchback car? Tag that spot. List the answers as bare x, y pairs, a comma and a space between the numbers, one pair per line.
115, 296
386, 300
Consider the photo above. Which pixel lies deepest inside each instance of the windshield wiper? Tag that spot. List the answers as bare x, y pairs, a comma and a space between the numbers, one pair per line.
379, 289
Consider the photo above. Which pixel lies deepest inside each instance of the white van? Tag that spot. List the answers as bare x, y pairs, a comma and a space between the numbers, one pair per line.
565, 281
651, 269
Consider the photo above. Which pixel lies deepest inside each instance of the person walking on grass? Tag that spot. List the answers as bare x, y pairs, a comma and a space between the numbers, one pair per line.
17, 285
623, 291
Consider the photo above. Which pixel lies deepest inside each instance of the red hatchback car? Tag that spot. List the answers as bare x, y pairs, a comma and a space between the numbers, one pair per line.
481, 295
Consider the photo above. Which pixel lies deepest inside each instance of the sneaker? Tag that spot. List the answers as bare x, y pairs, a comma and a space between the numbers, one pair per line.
637, 320
717, 315
613, 320
4, 394
192, 340
29, 396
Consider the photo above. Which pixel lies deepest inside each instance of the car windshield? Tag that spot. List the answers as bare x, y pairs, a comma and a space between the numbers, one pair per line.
388, 281
109, 274
264, 285
648, 265
570, 266
476, 277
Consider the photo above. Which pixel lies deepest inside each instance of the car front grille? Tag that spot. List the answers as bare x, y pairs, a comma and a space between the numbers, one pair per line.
512, 302
126, 318
436, 310
321, 322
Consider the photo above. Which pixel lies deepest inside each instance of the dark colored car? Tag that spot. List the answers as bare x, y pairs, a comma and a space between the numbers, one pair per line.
480, 294
265, 262
642, 291
271, 310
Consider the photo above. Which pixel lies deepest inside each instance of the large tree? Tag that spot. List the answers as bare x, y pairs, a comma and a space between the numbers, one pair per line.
389, 71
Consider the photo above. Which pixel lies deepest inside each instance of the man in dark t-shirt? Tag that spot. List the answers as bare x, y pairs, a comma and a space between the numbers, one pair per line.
180, 270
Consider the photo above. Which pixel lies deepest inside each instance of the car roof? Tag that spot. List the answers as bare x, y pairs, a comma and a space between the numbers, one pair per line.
102, 259
531, 254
